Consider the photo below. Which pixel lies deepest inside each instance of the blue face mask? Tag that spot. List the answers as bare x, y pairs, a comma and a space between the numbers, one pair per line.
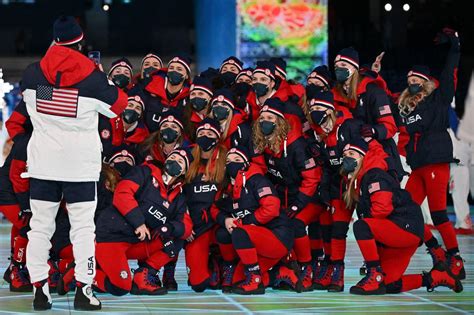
174, 77
267, 127
172, 168
220, 112
233, 168
319, 116
260, 89
414, 88
342, 74
349, 164
206, 143
169, 135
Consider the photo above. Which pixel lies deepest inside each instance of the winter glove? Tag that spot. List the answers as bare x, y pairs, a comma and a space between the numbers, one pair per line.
447, 35
366, 131
24, 214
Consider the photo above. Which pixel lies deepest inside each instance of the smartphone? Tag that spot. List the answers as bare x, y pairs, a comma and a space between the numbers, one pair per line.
94, 56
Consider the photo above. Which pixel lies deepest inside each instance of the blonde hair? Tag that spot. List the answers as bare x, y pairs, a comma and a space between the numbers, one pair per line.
215, 167
407, 102
261, 142
350, 196
353, 83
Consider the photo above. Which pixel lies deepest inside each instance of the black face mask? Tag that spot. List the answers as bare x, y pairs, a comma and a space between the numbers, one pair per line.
206, 143
172, 168
242, 88
228, 78
349, 164
319, 116
220, 112
174, 77
169, 135
260, 89
233, 168
121, 80
267, 127
414, 88
198, 103
342, 74
130, 116
147, 71
122, 168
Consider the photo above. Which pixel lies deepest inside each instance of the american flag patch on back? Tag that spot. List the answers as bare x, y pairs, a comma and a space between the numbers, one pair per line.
57, 101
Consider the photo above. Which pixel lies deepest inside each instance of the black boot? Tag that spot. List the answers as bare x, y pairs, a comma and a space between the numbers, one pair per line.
42, 299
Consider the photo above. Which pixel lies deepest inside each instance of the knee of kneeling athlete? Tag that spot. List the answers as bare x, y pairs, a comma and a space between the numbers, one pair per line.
223, 236
339, 230
439, 217
201, 286
118, 289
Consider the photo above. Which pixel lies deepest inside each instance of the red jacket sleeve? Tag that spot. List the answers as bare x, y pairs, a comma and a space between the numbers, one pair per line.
18, 120
266, 195
124, 197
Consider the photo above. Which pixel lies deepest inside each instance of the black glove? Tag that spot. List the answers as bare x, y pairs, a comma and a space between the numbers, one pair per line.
366, 131
24, 214
169, 248
446, 35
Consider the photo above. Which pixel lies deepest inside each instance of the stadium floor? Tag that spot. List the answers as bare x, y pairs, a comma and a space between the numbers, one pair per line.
185, 301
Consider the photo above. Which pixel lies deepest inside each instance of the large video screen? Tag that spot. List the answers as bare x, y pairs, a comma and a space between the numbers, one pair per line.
293, 29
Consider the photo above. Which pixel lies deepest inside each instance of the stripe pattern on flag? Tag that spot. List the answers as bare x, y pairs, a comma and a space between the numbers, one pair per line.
57, 101
385, 110
264, 191
374, 187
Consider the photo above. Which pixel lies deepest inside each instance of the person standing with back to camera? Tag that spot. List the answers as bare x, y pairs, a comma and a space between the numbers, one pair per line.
64, 94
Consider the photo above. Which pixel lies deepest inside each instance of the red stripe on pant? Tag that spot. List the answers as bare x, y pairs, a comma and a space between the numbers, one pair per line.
197, 257
398, 246
113, 260
267, 251
431, 181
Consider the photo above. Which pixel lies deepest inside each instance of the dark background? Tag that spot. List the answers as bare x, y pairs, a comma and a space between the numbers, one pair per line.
135, 27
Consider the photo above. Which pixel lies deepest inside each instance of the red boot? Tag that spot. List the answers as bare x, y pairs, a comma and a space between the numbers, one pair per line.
371, 284
144, 283
441, 276
437, 254
322, 275
286, 276
337, 279
456, 266
253, 282
20, 279
227, 276
306, 277
67, 282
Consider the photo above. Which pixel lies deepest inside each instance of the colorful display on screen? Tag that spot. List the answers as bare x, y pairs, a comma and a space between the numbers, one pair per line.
293, 29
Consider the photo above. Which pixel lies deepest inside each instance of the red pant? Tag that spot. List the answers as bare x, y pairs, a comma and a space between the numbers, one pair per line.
341, 218
113, 260
197, 257
267, 248
391, 245
302, 246
430, 181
